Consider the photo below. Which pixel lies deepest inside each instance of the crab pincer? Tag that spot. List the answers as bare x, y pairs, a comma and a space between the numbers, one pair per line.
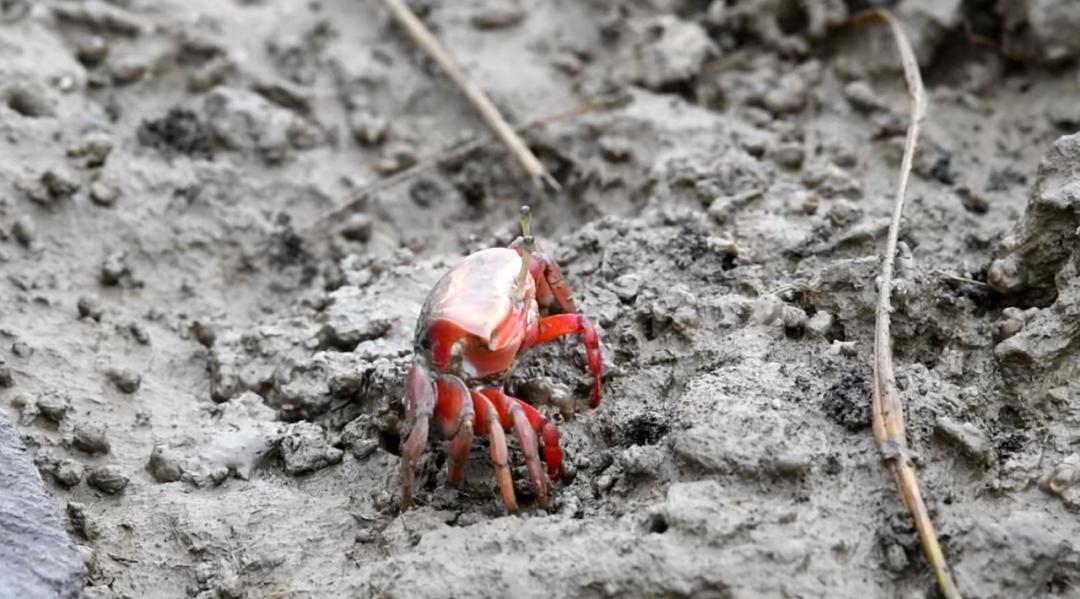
476, 321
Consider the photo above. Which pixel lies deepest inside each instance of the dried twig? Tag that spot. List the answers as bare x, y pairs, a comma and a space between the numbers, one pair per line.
476, 96
887, 413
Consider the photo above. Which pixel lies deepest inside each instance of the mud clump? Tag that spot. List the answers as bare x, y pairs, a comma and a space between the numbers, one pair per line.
180, 131
847, 402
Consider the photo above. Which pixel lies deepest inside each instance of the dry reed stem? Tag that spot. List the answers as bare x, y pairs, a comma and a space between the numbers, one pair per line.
887, 413
476, 96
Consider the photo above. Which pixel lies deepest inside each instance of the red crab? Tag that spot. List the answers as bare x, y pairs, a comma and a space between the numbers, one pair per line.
477, 319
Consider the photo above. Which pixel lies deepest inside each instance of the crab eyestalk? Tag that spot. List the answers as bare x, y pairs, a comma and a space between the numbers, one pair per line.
526, 213
526, 256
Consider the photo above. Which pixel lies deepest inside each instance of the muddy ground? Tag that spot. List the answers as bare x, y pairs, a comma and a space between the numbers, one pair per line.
219, 219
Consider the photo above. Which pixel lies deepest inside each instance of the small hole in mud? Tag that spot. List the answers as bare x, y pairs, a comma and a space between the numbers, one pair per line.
391, 442
657, 523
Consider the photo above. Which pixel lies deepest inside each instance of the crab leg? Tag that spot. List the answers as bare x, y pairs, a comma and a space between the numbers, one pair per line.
513, 414
556, 326
487, 423
455, 412
419, 404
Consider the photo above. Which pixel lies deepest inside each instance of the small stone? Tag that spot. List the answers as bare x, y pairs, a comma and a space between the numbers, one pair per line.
104, 193
139, 332
59, 183
368, 128
27, 408
7, 378
787, 96
90, 307
304, 448
93, 148
358, 227
792, 464
80, 521
68, 473
53, 406
125, 379
895, 558
203, 333
971, 441
396, 159
165, 464
863, 97
788, 155
128, 70
30, 100
793, 317
627, 287
23, 230
820, 323
114, 268
616, 150
21, 349
500, 16
92, 50
91, 437
107, 479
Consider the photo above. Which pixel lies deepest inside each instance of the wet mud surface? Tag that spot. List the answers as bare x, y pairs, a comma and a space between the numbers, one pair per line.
204, 352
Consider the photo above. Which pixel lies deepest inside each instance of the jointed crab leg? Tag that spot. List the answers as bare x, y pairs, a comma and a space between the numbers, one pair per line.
420, 402
513, 415
552, 327
487, 422
455, 412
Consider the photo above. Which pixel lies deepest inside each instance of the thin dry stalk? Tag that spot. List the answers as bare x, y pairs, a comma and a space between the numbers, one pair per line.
476, 96
887, 413
457, 150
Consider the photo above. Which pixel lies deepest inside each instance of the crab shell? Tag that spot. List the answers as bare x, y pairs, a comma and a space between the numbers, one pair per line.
476, 317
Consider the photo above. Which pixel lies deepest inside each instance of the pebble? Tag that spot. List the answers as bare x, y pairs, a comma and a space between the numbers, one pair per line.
968, 437
358, 227
90, 307
30, 100
107, 479
53, 406
59, 183
68, 473
165, 464
114, 268
820, 323
7, 378
103, 193
23, 230
500, 16
91, 437
92, 50
396, 159
81, 524
304, 448
863, 97
368, 128
787, 96
788, 155
93, 148
125, 379
616, 149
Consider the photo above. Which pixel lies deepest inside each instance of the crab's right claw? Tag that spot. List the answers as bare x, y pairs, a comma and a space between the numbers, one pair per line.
419, 405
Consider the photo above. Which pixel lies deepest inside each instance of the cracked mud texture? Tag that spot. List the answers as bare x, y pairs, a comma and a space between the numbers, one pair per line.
206, 360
